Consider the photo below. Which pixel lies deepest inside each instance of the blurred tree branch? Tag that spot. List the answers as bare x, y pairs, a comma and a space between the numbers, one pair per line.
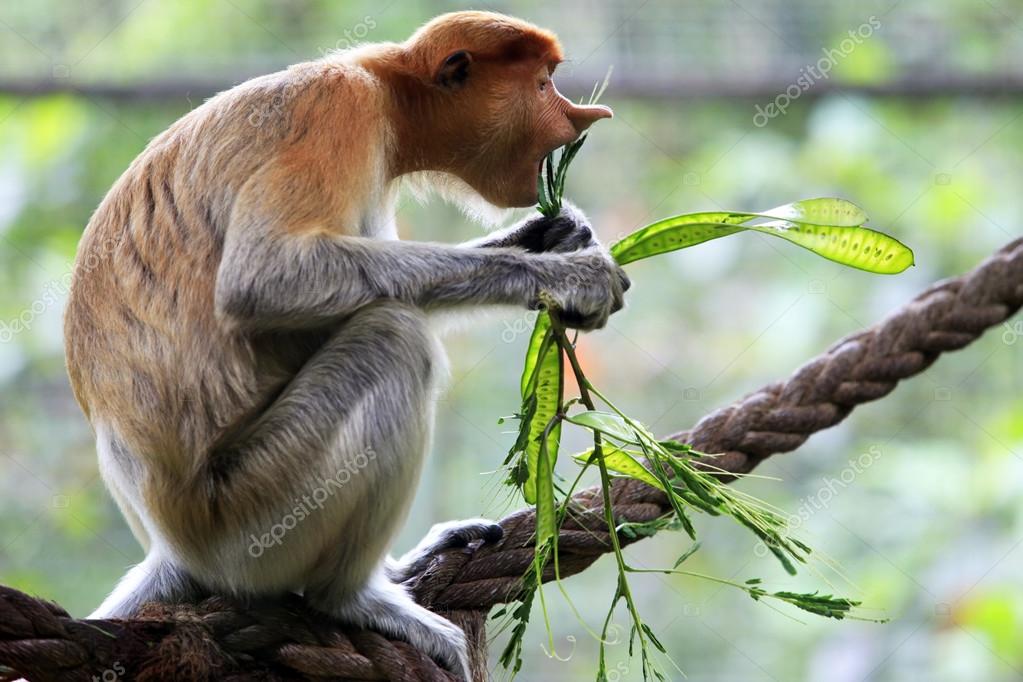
635, 85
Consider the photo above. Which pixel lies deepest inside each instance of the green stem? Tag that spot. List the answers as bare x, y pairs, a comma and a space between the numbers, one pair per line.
605, 478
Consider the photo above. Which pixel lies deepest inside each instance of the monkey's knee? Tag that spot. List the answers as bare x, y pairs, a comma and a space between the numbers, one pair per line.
398, 338
391, 316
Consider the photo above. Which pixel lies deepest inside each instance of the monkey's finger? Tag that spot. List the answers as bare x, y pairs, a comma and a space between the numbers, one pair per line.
583, 236
462, 533
626, 282
493, 534
573, 319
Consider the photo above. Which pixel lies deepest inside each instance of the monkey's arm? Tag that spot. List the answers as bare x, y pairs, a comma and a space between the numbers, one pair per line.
273, 280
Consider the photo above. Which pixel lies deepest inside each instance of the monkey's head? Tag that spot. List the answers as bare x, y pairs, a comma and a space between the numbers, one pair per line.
484, 101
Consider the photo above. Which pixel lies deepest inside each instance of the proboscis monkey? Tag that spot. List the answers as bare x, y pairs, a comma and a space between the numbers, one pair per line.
245, 327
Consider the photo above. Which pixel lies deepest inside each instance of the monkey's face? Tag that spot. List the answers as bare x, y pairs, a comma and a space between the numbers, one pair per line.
551, 121
529, 119
496, 113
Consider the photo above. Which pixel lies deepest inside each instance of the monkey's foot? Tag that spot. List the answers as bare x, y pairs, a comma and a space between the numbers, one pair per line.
384, 606
443, 536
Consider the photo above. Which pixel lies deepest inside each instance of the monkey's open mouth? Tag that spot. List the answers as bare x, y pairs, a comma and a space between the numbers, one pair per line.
539, 170
541, 165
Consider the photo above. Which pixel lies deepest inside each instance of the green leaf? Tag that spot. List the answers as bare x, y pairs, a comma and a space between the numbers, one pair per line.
677, 448
622, 462
609, 424
524, 416
805, 223
653, 638
677, 232
857, 247
636, 530
547, 385
567, 156
546, 517
536, 341
818, 604
543, 204
822, 211
552, 193
693, 548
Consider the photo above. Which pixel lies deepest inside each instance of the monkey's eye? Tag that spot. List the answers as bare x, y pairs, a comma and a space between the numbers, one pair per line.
543, 84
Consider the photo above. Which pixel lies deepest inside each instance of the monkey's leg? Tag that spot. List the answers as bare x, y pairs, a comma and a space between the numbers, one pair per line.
158, 577
387, 607
343, 444
155, 579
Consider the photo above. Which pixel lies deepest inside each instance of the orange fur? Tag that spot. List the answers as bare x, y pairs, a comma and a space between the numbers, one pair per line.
317, 145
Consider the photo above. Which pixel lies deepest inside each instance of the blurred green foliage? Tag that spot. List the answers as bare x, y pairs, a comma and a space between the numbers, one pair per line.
930, 531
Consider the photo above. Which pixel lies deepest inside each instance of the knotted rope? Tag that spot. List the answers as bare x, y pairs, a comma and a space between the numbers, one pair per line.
224, 640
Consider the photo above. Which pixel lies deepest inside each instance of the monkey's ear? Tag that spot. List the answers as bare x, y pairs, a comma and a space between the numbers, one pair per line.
454, 70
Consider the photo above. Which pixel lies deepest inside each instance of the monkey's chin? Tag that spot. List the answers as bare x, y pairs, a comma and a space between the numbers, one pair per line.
518, 187
522, 192
529, 197
531, 184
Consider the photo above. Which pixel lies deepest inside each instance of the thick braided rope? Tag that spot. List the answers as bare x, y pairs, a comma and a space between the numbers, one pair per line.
223, 640
216, 640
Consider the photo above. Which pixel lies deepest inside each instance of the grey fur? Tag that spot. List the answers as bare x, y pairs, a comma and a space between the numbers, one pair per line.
567, 232
155, 579
353, 314
266, 283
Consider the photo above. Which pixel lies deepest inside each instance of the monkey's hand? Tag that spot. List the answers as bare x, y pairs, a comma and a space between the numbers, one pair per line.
594, 289
567, 232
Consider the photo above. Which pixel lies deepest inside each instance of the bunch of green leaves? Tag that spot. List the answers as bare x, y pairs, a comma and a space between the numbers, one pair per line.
623, 447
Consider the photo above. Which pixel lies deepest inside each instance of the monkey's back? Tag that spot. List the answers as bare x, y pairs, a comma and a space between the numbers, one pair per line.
145, 351
148, 358
141, 344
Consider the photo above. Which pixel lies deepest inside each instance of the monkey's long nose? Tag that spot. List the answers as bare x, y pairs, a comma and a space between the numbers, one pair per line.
582, 116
